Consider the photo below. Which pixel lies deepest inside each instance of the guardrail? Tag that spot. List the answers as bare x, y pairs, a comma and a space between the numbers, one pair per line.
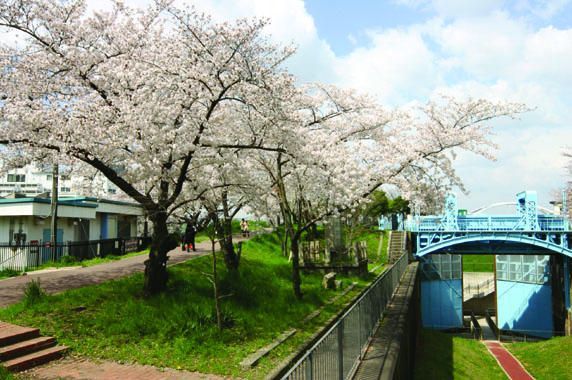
336, 354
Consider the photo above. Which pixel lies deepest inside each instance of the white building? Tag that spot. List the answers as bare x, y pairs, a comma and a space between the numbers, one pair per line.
36, 179
27, 219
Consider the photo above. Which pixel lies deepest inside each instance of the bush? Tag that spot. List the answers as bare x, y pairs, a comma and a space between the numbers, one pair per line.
68, 260
8, 272
34, 294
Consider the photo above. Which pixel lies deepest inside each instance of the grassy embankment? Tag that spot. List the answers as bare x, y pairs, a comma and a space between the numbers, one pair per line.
442, 357
545, 360
178, 329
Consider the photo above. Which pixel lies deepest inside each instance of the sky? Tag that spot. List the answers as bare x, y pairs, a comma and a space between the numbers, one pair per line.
403, 52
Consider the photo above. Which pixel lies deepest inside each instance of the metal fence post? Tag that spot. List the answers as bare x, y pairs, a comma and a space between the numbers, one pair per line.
310, 367
341, 350
359, 329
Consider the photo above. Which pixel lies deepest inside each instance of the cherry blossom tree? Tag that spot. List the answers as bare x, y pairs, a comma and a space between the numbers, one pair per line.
568, 186
149, 90
176, 101
348, 146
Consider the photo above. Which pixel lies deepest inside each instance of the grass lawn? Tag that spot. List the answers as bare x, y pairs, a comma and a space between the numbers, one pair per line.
478, 263
545, 360
178, 329
442, 357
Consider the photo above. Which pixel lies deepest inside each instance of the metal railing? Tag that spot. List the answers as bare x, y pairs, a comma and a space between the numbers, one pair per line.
480, 290
336, 354
29, 256
489, 223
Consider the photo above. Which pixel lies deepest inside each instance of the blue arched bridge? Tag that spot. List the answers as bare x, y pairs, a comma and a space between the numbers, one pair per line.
525, 233
532, 271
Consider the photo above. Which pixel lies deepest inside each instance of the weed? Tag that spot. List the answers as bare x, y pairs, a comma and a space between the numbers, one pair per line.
8, 272
5, 374
68, 260
34, 294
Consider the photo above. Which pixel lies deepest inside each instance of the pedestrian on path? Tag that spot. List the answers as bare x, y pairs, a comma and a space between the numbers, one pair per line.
189, 238
245, 228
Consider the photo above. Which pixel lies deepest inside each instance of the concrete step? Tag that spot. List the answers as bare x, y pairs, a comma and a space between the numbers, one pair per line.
34, 359
26, 347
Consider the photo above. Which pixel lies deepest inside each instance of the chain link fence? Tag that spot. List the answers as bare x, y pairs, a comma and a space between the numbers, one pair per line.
336, 354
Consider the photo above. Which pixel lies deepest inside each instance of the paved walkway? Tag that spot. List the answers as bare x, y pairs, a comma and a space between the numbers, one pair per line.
55, 281
75, 369
510, 365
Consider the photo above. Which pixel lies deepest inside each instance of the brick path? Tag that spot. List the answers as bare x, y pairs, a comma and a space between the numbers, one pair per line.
58, 280
75, 369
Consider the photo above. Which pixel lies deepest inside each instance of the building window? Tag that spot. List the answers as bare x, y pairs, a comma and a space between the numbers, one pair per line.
65, 189
16, 178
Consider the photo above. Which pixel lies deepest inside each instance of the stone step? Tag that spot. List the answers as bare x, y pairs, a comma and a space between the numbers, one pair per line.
26, 347
34, 359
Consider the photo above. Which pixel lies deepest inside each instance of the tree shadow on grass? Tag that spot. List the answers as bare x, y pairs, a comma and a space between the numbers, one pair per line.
434, 356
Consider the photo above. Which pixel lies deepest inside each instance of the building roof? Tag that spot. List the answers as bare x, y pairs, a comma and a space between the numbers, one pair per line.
81, 207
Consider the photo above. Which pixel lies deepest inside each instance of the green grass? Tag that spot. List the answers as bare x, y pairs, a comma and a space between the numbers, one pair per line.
478, 263
6, 375
441, 357
7, 273
178, 329
371, 237
545, 360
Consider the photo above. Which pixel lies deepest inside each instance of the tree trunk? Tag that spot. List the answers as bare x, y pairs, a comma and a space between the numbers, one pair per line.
215, 284
224, 232
296, 279
156, 266
294, 238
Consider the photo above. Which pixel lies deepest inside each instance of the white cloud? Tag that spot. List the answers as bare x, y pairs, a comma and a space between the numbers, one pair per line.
398, 67
455, 8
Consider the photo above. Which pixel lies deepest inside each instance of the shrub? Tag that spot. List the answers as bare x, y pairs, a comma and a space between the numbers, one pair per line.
34, 294
8, 272
68, 260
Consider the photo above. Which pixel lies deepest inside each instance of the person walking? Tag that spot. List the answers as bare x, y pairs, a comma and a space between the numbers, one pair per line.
189, 238
244, 227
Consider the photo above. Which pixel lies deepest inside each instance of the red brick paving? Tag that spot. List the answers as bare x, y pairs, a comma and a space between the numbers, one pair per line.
74, 369
509, 364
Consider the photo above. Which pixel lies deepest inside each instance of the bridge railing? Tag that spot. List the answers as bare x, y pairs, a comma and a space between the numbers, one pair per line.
488, 223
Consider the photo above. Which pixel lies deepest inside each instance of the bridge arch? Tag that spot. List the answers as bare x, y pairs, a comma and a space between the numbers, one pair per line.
495, 242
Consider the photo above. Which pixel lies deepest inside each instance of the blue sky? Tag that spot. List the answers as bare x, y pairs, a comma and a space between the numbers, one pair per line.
406, 51
344, 24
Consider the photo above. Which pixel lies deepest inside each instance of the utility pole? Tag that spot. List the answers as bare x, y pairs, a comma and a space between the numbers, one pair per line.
54, 226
